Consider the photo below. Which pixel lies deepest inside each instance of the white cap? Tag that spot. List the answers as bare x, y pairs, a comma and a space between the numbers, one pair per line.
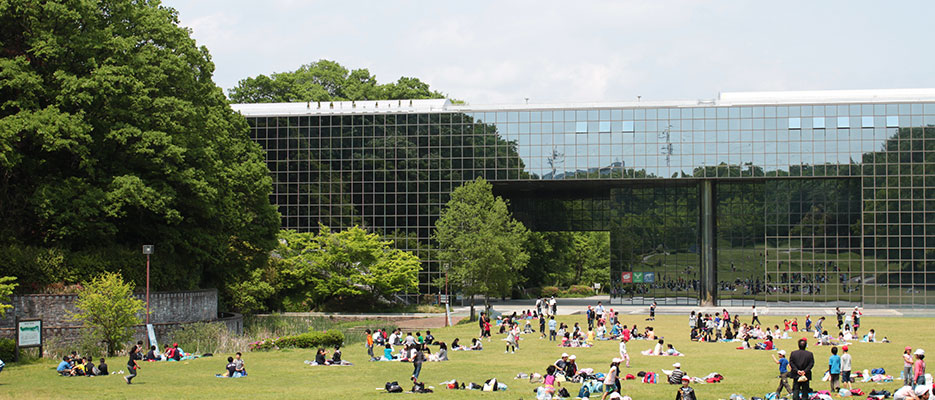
922, 390
564, 355
572, 357
782, 352
920, 352
677, 365
616, 360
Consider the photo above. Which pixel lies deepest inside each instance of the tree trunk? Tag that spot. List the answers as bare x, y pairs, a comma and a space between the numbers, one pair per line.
472, 308
487, 304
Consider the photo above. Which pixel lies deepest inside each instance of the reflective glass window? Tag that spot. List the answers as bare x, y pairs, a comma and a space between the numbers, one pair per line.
892, 121
843, 122
795, 123
581, 127
628, 126
605, 126
866, 121
818, 123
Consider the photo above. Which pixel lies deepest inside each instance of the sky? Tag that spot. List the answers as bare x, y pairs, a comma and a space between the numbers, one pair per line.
499, 52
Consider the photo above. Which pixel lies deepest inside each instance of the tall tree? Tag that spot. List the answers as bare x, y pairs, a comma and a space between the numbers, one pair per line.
326, 80
7, 284
112, 132
483, 246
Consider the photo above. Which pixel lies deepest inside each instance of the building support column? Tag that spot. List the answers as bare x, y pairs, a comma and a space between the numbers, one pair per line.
708, 225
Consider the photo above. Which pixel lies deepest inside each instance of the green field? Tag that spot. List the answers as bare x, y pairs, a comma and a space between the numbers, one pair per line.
282, 374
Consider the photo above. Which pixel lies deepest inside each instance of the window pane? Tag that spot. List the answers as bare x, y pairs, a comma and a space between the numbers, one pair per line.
866, 122
795, 123
818, 123
843, 122
892, 121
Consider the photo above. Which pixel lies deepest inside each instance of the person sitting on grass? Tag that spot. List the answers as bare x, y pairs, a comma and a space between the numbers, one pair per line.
151, 355
102, 368
441, 354
89, 368
671, 351
476, 344
229, 370
321, 357
238, 364
429, 339
456, 345
64, 367
388, 353
78, 368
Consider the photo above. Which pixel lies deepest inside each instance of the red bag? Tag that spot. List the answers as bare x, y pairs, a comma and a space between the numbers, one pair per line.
630, 377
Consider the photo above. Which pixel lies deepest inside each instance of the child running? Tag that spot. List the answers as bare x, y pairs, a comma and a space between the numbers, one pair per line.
623, 351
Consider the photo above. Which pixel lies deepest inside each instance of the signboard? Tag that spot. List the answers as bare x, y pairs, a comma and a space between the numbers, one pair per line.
637, 277
626, 277
30, 333
152, 335
649, 277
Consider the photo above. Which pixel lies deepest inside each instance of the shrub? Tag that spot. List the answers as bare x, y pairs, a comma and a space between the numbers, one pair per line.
306, 340
7, 349
548, 291
580, 290
200, 337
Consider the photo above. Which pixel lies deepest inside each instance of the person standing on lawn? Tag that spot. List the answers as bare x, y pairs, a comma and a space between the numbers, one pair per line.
907, 366
685, 392
846, 369
783, 373
834, 369
756, 317
801, 362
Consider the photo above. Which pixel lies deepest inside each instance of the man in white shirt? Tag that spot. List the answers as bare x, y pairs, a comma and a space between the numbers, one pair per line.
756, 318
599, 310
394, 338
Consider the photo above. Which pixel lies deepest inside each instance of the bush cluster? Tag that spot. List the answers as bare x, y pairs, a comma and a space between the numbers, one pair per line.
306, 340
7, 349
572, 291
548, 291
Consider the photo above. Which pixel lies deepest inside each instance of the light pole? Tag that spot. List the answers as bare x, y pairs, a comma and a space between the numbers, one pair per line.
147, 249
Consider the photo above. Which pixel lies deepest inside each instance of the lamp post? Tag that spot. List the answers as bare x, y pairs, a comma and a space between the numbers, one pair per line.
147, 249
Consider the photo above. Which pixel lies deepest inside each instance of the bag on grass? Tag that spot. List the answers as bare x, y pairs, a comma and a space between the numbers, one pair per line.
564, 393
878, 371
584, 392
393, 387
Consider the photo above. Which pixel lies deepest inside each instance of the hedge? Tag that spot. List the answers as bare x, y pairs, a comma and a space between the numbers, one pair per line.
580, 289
306, 340
550, 291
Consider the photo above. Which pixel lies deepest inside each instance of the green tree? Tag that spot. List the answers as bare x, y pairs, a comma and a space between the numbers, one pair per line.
326, 80
7, 285
481, 242
112, 132
107, 307
350, 268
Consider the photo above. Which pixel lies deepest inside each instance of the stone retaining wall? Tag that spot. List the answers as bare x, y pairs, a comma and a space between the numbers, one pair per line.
165, 307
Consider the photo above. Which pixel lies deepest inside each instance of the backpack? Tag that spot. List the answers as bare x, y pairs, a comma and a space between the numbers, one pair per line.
584, 392
564, 393
419, 387
878, 371
491, 385
393, 387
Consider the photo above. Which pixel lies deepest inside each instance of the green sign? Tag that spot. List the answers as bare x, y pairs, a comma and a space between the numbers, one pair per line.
637, 277
30, 333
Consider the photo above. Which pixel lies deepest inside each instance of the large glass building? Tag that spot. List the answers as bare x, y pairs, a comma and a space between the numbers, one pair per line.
787, 197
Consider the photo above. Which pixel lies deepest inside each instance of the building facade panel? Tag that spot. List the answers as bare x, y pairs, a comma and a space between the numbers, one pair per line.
826, 200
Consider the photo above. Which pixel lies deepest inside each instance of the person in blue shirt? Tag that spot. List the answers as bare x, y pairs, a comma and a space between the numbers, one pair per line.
388, 353
834, 368
783, 373
64, 367
552, 325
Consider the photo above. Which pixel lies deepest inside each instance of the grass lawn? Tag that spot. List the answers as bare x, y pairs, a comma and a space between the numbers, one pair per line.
282, 374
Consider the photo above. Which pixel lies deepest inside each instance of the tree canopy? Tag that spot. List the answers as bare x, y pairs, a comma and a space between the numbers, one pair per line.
108, 310
480, 241
113, 133
326, 80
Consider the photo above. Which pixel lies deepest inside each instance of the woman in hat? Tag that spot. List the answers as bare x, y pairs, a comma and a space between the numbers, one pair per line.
610, 380
907, 366
918, 369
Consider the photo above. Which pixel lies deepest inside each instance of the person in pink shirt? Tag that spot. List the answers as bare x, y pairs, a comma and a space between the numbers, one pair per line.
907, 366
918, 369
